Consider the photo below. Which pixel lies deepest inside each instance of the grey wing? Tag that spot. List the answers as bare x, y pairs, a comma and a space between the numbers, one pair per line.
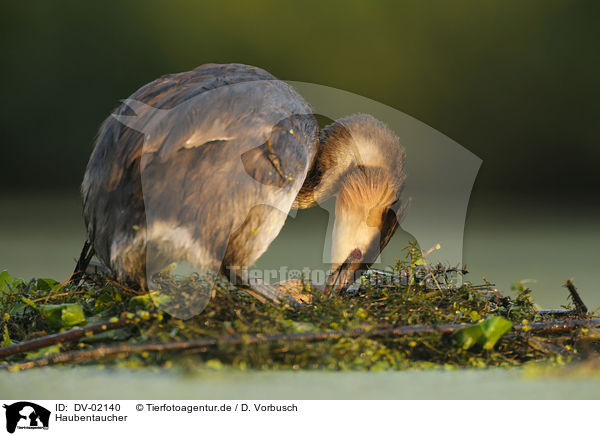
233, 198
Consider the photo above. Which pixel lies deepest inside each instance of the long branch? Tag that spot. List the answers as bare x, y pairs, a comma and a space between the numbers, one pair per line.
57, 338
200, 345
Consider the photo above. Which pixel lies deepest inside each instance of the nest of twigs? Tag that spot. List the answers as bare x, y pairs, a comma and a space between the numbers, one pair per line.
414, 315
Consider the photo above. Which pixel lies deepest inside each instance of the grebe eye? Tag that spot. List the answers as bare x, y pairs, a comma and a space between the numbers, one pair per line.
356, 253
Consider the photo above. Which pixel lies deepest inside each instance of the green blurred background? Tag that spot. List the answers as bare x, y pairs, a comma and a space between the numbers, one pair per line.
517, 83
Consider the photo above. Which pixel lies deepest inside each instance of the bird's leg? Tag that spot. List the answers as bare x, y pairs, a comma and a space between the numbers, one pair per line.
265, 292
296, 288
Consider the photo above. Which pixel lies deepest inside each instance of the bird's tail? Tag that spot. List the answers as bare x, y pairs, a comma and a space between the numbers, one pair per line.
87, 252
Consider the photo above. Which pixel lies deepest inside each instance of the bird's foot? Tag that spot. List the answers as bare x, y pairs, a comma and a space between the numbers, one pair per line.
265, 292
297, 288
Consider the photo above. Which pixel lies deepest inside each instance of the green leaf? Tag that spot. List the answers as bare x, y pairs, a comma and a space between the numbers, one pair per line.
63, 315
493, 329
52, 314
160, 299
466, 337
7, 282
72, 315
485, 334
475, 316
47, 284
420, 261
141, 302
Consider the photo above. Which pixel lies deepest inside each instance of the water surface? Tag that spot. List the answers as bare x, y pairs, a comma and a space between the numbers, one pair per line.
92, 383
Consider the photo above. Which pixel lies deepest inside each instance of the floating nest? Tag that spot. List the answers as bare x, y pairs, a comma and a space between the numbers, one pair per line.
414, 315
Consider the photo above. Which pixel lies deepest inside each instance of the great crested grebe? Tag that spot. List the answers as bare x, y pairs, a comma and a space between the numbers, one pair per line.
203, 166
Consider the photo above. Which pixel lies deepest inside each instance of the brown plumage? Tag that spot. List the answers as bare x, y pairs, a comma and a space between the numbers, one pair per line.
371, 190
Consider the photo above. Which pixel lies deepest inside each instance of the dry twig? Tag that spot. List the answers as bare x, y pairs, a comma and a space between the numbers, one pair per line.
200, 345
